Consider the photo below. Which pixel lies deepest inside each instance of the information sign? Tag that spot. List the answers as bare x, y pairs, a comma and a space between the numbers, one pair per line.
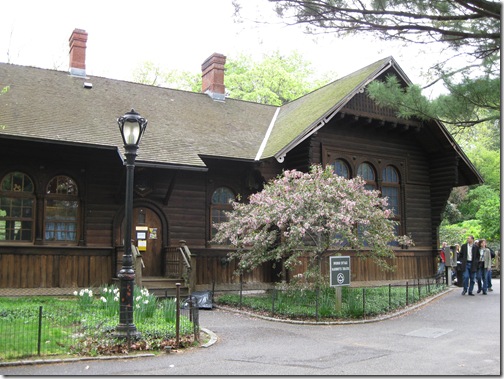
340, 271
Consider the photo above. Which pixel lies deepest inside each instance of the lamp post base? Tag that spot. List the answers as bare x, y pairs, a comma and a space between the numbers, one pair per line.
127, 332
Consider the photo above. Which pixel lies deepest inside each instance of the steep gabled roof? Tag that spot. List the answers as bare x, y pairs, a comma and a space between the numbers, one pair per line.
54, 106
300, 118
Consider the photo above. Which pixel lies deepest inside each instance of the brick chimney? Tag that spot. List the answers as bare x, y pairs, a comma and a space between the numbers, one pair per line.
213, 76
78, 41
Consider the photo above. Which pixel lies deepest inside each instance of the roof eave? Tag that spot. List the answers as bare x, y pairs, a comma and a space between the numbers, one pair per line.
315, 126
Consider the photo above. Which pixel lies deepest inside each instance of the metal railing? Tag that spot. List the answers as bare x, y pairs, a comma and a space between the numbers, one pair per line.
355, 302
65, 327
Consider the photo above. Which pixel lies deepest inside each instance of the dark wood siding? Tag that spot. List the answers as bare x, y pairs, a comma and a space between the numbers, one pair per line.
24, 267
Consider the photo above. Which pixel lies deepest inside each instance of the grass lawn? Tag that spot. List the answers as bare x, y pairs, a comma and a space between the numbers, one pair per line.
84, 326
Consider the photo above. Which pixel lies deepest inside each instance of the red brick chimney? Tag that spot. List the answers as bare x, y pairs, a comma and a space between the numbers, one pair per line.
213, 76
78, 41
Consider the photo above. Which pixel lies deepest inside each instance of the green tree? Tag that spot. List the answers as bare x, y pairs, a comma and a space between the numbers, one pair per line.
478, 204
488, 164
274, 80
489, 216
469, 28
457, 233
469, 103
151, 74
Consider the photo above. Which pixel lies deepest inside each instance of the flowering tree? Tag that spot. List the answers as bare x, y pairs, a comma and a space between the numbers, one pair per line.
307, 214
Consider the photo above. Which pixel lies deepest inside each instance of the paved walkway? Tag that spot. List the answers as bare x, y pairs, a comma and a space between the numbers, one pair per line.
447, 336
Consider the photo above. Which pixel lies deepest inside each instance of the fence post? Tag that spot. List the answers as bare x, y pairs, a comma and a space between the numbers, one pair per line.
407, 302
241, 289
195, 319
364, 302
390, 296
419, 296
177, 318
39, 339
273, 296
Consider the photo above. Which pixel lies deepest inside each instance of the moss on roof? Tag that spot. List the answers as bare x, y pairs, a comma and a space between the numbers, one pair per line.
300, 116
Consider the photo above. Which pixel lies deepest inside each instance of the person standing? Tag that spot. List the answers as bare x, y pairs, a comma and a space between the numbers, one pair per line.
442, 260
469, 258
489, 272
485, 265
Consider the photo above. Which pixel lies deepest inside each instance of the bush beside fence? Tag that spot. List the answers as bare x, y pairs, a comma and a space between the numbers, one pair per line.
356, 302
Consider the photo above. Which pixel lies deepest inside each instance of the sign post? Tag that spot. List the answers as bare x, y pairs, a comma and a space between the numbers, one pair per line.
339, 276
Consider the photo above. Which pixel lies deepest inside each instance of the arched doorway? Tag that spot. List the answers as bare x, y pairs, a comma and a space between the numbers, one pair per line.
147, 235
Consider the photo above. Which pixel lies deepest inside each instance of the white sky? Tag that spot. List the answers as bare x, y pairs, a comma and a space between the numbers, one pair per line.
176, 34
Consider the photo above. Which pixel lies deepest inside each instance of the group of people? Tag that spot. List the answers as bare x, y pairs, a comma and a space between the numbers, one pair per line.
475, 263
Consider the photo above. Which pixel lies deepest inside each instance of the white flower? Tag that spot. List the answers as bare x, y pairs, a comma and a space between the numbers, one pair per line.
103, 299
75, 293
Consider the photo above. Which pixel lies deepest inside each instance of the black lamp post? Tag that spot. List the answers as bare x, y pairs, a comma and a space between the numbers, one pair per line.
132, 127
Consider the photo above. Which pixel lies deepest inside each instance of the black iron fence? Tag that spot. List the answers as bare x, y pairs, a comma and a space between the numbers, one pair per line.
332, 303
46, 326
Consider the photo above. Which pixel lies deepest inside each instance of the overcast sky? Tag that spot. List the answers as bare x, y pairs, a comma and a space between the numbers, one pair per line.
176, 35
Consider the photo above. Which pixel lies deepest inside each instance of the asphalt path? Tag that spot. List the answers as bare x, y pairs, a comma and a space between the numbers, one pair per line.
451, 335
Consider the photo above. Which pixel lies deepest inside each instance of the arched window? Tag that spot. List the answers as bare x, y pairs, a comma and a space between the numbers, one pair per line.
390, 188
341, 168
17, 202
367, 172
61, 223
221, 202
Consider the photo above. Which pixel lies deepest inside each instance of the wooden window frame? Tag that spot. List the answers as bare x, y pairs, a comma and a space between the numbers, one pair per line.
13, 194
355, 158
61, 197
219, 207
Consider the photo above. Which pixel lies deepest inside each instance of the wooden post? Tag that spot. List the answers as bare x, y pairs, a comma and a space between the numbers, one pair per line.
338, 305
338, 292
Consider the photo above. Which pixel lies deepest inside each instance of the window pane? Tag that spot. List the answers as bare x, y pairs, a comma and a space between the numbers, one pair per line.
366, 171
390, 175
221, 202
16, 207
62, 185
16, 182
222, 195
393, 198
341, 168
61, 220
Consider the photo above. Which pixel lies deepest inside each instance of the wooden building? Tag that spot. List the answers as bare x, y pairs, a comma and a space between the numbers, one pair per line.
62, 179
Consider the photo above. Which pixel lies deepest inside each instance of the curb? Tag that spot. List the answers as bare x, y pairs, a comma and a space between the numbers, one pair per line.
213, 337
65, 360
365, 321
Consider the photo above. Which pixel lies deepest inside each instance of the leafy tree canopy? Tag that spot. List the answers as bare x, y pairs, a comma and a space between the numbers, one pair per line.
465, 28
274, 80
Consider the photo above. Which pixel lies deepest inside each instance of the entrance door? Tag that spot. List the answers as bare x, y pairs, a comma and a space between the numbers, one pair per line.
146, 218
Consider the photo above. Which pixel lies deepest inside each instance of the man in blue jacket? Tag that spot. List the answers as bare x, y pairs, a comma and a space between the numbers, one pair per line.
469, 258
